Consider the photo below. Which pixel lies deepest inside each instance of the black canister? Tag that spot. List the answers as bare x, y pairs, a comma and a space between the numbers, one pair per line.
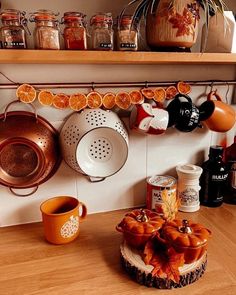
213, 178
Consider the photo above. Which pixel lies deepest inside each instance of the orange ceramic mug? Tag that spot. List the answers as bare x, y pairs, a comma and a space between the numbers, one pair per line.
61, 218
217, 115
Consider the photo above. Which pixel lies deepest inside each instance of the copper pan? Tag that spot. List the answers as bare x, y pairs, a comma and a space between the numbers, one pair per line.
29, 150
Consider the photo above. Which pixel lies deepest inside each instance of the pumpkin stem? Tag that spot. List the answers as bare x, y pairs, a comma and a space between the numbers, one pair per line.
185, 228
142, 217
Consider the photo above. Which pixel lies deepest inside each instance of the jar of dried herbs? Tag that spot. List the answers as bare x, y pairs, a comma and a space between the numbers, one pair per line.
75, 33
102, 31
127, 34
46, 32
12, 32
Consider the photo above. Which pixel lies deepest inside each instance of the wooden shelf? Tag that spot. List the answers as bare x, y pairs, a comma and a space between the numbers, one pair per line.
113, 57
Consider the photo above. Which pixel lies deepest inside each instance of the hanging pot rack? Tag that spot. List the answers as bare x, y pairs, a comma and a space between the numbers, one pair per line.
93, 85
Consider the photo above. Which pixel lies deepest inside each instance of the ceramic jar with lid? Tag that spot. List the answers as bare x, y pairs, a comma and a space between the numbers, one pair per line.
12, 32
139, 225
46, 32
75, 33
188, 187
186, 237
102, 31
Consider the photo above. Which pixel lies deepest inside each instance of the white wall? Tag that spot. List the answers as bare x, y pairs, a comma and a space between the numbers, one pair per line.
148, 155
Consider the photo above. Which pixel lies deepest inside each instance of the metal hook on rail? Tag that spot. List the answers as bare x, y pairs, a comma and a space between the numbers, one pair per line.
92, 86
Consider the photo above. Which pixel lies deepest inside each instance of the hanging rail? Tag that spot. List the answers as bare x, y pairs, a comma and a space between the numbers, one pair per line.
93, 85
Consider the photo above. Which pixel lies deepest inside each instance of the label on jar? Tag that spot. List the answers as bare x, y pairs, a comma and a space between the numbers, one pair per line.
105, 45
12, 44
128, 45
159, 187
157, 200
189, 197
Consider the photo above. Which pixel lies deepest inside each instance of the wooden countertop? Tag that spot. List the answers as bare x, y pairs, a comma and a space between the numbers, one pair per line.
91, 264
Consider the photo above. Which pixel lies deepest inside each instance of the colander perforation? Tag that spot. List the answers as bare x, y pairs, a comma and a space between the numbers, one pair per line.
71, 160
119, 127
71, 135
96, 118
100, 150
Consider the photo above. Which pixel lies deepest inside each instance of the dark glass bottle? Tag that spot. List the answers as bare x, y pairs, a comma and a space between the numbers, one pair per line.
230, 186
213, 178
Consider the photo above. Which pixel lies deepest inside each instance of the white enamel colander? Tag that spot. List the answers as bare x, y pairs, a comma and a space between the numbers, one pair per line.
94, 142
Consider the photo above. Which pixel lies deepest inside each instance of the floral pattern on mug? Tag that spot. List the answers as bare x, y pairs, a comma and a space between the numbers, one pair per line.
70, 228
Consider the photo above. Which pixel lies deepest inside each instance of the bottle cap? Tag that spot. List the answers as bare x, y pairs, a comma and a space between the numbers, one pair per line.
216, 151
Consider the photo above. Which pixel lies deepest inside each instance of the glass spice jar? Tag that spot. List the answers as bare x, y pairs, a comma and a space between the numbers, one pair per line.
12, 32
102, 31
127, 34
46, 32
75, 33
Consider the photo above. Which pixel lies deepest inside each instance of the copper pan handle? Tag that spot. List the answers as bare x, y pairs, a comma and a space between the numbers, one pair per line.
23, 195
15, 102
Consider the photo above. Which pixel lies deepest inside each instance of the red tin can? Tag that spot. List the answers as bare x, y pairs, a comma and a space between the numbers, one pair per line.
157, 186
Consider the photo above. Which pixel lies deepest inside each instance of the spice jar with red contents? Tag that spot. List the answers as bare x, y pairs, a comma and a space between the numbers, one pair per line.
46, 32
102, 31
12, 32
127, 35
75, 33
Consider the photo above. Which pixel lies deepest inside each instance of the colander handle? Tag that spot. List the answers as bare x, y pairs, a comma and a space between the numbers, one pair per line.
23, 195
15, 102
96, 179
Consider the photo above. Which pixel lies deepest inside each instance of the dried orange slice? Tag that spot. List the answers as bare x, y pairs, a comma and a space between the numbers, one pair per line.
148, 93
45, 97
183, 87
78, 101
108, 100
123, 100
136, 97
26, 93
160, 94
171, 92
94, 100
61, 101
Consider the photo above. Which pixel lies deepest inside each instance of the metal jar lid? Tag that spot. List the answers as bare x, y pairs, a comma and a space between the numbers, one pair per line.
162, 181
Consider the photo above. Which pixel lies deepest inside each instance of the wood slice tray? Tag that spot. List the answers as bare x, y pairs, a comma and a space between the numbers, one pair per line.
141, 273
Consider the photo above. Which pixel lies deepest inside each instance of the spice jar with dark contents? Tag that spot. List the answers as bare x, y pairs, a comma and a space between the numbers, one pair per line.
12, 32
75, 33
127, 34
46, 32
102, 31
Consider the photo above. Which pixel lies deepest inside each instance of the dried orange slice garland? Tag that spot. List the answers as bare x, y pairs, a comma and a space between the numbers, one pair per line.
171, 92
61, 101
78, 101
94, 100
26, 93
123, 100
136, 97
148, 93
183, 87
108, 100
45, 97
160, 94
